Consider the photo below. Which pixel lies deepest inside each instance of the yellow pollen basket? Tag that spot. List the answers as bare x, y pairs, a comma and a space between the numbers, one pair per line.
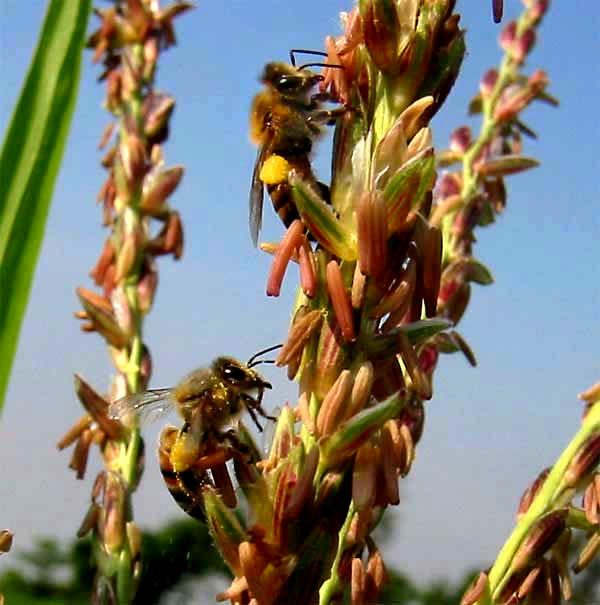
274, 170
184, 452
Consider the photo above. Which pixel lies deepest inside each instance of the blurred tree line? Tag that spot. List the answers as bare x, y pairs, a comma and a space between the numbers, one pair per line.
182, 551
51, 574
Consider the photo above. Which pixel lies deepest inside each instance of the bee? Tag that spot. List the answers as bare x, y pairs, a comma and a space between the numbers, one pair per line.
208, 400
285, 118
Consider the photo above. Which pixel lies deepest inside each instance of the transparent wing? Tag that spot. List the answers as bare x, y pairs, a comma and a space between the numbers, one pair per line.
147, 406
257, 195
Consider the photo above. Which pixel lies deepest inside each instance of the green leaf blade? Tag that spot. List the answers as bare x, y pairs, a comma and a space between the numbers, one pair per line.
30, 159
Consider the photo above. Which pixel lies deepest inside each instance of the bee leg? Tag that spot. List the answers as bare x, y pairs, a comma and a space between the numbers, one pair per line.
237, 444
193, 429
257, 405
264, 414
253, 414
322, 97
185, 428
326, 116
252, 405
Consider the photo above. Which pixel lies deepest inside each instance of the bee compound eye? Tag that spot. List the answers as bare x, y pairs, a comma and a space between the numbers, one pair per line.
234, 373
287, 83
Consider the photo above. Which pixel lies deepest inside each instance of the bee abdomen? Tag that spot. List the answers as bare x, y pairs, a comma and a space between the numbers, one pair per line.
187, 492
281, 193
283, 200
185, 486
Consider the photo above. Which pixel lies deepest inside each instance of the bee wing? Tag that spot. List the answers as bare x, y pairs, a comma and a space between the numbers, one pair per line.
148, 406
257, 194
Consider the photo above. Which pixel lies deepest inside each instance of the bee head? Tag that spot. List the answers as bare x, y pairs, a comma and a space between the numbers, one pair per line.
288, 80
238, 374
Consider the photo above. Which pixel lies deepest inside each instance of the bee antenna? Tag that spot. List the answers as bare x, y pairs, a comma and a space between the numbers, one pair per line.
305, 65
261, 361
253, 360
304, 51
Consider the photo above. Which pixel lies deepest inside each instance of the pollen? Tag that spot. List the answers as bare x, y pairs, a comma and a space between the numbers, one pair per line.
184, 452
274, 170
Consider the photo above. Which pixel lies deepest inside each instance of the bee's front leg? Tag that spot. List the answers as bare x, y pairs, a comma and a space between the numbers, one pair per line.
253, 405
254, 418
326, 116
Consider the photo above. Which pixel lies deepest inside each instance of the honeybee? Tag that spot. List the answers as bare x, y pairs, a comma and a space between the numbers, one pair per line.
208, 400
285, 118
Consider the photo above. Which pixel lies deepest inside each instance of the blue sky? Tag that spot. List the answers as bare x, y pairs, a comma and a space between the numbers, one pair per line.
489, 430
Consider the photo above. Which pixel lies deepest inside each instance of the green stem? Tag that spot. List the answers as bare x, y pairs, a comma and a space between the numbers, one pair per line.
333, 585
506, 74
488, 127
470, 178
551, 496
130, 461
131, 458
